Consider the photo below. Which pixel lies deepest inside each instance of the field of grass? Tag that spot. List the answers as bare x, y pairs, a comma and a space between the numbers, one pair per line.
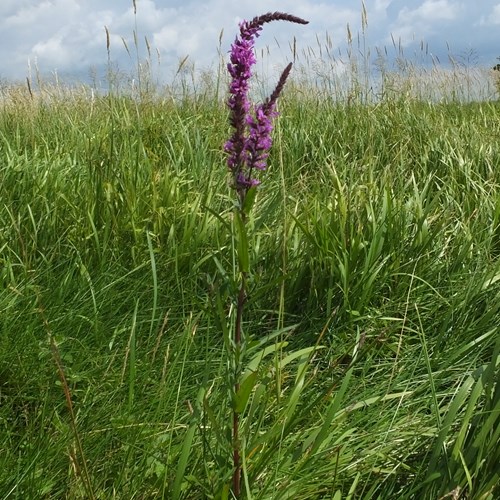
372, 324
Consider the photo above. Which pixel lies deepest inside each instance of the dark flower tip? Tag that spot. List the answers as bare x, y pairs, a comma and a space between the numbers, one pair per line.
258, 21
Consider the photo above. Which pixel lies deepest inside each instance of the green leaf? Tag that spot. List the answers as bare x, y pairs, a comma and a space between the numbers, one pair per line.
183, 461
334, 408
249, 200
298, 354
254, 363
242, 238
256, 344
241, 397
299, 384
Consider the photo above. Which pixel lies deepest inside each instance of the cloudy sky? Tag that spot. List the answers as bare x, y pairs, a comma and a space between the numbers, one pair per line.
68, 37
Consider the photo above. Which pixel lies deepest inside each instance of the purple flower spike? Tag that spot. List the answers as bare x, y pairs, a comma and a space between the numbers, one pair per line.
248, 148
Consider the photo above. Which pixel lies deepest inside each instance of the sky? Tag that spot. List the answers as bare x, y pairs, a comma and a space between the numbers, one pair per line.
67, 38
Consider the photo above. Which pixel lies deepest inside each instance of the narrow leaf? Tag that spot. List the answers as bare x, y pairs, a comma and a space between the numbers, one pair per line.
241, 397
243, 254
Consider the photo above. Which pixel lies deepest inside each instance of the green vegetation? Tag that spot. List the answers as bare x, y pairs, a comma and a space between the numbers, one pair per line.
374, 305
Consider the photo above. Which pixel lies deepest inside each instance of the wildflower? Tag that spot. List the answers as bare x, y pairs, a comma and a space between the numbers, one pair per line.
248, 148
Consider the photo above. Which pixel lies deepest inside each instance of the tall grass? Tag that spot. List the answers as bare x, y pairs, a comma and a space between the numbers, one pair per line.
374, 306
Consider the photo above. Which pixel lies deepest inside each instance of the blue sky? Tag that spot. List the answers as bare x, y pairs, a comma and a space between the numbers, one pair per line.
67, 37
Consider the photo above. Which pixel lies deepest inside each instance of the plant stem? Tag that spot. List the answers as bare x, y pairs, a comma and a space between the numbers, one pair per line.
237, 349
83, 472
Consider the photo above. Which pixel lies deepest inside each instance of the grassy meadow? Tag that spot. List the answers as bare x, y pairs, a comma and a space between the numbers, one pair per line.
372, 324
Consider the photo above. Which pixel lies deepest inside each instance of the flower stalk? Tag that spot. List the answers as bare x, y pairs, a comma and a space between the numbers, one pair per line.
248, 150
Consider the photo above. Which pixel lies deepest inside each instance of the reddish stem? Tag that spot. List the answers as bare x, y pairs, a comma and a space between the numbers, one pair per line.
236, 421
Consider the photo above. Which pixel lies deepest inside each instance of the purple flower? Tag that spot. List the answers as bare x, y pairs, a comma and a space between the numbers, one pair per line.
248, 148
259, 141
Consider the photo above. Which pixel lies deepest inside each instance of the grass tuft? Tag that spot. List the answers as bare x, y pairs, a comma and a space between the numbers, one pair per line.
377, 238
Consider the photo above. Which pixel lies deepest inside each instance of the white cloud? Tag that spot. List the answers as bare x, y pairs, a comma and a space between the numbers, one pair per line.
493, 19
52, 50
496, 14
44, 12
422, 20
69, 34
10, 7
435, 10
